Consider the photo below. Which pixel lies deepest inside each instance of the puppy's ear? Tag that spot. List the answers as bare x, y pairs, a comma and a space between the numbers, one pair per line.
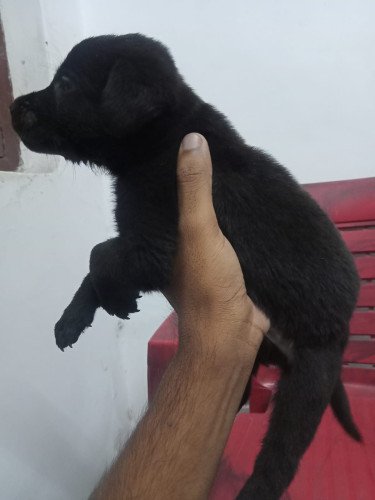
133, 95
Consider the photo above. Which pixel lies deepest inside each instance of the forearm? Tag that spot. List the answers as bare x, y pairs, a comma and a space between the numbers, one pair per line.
176, 448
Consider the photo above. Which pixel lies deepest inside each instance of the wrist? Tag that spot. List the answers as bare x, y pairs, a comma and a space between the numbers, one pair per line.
216, 348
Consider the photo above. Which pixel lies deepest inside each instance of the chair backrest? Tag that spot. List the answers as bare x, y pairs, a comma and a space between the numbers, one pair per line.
351, 206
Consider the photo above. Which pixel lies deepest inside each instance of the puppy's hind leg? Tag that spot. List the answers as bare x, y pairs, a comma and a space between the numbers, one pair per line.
303, 394
78, 315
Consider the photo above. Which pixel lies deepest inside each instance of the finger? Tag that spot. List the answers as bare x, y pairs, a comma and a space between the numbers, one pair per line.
194, 184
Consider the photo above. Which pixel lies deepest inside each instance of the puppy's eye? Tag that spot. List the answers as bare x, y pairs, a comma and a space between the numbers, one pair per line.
65, 84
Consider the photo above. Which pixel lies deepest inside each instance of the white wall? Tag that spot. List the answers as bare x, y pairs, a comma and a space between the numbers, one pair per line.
295, 77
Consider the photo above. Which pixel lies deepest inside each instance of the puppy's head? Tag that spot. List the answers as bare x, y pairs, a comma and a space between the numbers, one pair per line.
108, 89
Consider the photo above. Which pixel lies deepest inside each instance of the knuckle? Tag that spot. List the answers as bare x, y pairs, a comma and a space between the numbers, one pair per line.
191, 170
190, 176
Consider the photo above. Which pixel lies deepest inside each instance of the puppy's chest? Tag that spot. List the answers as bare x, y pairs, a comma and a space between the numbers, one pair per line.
145, 216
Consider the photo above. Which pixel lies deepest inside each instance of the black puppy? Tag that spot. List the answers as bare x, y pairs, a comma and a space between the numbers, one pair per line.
120, 103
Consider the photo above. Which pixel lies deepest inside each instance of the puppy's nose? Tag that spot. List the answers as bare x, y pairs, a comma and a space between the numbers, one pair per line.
23, 117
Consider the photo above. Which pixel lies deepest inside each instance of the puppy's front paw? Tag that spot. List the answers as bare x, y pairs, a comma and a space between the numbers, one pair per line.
121, 305
70, 326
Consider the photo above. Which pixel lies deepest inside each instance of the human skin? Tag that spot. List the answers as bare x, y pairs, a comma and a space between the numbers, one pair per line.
176, 448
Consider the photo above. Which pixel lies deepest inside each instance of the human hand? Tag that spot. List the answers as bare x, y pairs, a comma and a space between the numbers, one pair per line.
207, 289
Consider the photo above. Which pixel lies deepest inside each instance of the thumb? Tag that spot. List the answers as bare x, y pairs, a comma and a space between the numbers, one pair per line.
194, 184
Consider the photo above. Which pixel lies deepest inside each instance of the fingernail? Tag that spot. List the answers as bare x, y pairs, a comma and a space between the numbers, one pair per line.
191, 141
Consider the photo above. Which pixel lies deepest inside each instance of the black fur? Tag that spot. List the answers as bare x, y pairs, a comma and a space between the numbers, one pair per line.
120, 103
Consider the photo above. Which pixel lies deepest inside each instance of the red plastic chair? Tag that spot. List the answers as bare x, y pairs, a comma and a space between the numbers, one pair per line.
334, 467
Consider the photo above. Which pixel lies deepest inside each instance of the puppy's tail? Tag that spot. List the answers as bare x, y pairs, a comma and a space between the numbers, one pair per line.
341, 409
